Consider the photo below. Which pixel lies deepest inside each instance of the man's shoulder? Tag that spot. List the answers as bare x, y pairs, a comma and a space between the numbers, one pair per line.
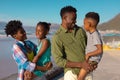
79, 28
58, 33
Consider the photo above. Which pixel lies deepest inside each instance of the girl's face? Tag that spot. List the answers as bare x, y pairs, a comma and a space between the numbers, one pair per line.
20, 35
40, 32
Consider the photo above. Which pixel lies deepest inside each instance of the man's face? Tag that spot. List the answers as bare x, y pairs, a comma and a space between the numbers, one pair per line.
70, 20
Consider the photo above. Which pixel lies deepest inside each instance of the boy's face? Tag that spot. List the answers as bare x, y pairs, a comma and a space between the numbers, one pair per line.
40, 32
20, 35
86, 24
70, 20
89, 23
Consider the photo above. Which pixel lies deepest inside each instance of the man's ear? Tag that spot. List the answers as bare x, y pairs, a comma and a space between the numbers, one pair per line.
64, 17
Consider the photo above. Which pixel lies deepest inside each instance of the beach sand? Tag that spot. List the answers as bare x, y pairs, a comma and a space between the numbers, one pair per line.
108, 68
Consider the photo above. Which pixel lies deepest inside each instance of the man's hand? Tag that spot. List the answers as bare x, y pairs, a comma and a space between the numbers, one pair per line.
87, 66
28, 75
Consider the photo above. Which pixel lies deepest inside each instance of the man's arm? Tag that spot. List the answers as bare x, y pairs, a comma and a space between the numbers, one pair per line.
58, 51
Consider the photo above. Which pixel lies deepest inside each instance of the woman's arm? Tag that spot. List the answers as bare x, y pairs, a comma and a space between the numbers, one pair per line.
21, 59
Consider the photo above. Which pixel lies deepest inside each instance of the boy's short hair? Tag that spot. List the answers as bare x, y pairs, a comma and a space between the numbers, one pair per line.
12, 27
67, 9
94, 16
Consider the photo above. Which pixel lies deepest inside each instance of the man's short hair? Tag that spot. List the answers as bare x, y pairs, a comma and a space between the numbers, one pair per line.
67, 9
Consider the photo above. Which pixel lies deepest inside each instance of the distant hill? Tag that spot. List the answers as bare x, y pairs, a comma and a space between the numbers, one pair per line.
113, 24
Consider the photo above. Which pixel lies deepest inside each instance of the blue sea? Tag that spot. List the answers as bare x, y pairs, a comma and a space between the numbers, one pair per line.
112, 34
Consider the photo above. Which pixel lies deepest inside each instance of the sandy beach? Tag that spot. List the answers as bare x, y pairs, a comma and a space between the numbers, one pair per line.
108, 68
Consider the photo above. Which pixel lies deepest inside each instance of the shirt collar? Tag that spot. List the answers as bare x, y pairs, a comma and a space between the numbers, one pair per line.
66, 30
63, 29
20, 42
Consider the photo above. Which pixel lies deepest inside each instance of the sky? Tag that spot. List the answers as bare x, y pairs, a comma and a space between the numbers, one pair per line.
30, 12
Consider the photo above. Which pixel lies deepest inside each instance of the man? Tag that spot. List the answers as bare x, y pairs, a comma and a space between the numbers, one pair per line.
68, 45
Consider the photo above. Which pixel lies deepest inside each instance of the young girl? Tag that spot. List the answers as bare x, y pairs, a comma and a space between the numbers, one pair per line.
44, 46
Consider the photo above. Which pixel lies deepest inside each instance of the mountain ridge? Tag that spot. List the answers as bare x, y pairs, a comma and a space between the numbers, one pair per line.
112, 24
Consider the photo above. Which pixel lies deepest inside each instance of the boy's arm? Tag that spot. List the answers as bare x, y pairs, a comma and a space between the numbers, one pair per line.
98, 51
45, 45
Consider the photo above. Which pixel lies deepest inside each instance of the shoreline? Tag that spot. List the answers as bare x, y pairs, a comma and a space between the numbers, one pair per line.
108, 68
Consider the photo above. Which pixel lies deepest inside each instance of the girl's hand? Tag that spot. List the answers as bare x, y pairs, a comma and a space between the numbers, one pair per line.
28, 75
48, 65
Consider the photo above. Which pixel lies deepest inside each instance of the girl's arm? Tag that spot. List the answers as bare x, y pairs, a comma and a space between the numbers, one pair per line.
45, 45
98, 51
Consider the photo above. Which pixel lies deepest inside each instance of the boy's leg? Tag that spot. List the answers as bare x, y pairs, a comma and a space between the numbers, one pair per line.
82, 74
70, 76
89, 76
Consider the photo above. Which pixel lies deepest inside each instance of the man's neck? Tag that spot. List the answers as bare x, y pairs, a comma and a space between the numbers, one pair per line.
63, 25
66, 27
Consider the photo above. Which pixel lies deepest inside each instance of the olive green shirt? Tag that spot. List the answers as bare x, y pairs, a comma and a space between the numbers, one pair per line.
69, 46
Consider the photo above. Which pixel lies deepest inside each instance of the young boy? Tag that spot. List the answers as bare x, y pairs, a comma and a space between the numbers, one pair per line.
21, 49
94, 43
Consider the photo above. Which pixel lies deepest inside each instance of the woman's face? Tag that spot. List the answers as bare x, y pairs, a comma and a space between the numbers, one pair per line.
20, 35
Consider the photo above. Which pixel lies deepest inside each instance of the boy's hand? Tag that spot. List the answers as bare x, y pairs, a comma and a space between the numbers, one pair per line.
87, 57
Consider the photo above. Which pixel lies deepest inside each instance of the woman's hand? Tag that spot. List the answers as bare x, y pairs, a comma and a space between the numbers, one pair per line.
28, 75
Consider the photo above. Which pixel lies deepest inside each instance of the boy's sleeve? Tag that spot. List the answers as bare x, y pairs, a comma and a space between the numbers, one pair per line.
21, 59
96, 39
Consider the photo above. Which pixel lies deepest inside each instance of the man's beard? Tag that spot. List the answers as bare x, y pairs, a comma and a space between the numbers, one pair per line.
71, 26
